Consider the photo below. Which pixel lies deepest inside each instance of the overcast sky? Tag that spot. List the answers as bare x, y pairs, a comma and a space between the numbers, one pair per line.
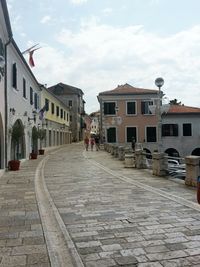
97, 44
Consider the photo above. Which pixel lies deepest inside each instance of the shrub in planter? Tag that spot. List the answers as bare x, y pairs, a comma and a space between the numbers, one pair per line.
41, 136
34, 153
17, 132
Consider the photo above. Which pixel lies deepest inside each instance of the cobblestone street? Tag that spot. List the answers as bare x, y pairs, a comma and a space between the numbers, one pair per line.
107, 215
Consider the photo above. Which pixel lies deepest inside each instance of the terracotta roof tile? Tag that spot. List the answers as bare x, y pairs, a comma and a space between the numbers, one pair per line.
182, 109
128, 89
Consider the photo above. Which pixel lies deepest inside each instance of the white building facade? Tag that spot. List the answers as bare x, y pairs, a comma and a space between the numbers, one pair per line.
23, 98
5, 36
181, 131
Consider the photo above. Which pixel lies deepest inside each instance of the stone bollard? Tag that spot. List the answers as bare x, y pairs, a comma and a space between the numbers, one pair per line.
101, 146
160, 164
139, 159
112, 149
129, 160
192, 170
109, 148
116, 151
121, 153
106, 147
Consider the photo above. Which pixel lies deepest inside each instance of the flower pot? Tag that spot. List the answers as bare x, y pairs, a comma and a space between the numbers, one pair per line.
33, 155
13, 165
41, 151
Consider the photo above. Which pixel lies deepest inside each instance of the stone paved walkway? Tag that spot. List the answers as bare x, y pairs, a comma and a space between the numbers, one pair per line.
22, 240
123, 217
113, 216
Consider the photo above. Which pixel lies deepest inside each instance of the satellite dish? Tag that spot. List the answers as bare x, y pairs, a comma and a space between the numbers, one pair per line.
2, 62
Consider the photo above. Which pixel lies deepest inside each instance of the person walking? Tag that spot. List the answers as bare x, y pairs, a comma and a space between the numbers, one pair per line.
97, 142
86, 141
133, 144
92, 142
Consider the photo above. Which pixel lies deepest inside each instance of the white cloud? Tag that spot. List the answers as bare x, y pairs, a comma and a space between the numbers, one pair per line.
107, 11
78, 2
99, 57
45, 19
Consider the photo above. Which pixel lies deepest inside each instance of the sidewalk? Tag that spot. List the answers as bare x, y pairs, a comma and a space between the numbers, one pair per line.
21, 235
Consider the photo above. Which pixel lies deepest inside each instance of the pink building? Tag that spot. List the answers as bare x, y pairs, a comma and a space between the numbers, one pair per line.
125, 114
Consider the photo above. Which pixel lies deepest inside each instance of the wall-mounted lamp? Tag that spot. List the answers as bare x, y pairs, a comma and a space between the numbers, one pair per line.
12, 111
32, 119
63, 126
45, 123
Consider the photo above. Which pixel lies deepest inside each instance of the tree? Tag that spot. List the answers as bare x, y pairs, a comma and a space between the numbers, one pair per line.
175, 102
41, 136
17, 132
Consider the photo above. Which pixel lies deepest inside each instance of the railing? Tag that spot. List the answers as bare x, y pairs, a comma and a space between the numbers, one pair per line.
171, 166
176, 167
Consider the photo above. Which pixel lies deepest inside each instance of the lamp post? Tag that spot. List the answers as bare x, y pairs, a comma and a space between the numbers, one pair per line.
159, 83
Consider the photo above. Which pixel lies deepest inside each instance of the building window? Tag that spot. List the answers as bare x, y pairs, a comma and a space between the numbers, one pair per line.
46, 104
35, 101
61, 113
187, 129
111, 135
130, 133
64, 115
145, 107
130, 108
24, 88
31, 95
67, 116
70, 103
170, 130
151, 134
52, 108
14, 75
57, 111
109, 108
70, 118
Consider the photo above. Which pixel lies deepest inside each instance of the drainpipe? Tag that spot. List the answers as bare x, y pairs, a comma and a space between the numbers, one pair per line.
6, 104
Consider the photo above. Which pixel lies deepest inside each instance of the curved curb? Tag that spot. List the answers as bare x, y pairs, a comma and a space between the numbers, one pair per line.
61, 249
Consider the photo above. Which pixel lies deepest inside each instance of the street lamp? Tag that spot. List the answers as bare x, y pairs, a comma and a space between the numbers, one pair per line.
159, 83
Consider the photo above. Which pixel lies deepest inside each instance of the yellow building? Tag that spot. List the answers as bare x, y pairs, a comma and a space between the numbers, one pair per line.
55, 119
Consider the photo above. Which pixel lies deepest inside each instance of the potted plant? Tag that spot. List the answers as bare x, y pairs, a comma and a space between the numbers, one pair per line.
17, 131
41, 136
33, 154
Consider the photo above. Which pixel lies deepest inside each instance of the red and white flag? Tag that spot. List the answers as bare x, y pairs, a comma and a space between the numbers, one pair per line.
31, 50
31, 61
